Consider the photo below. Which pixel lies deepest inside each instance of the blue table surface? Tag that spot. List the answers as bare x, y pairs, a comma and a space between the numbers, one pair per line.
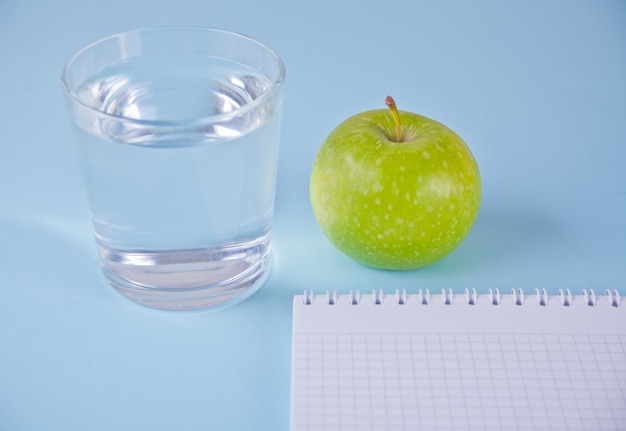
537, 90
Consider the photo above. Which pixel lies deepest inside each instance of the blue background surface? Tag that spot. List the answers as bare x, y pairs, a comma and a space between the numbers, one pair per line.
537, 89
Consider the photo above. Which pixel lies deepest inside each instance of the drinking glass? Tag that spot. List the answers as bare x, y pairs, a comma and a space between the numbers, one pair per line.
177, 131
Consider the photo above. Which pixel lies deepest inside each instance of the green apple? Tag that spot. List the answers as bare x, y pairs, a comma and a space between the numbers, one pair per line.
395, 190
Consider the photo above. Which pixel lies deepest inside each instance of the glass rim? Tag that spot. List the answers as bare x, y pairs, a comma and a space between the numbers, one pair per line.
276, 84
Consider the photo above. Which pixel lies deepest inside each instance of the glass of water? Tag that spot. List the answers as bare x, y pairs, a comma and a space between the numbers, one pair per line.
178, 134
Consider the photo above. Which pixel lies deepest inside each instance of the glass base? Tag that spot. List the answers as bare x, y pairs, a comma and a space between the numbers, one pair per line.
212, 296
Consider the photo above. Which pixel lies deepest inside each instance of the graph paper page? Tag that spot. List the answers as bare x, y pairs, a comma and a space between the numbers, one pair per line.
456, 366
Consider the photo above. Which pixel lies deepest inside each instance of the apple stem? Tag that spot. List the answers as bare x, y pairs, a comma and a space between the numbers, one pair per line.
396, 117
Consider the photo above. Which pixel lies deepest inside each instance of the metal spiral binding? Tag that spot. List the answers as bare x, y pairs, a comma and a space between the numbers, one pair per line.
518, 296
307, 298
494, 296
424, 298
354, 299
566, 297
377, 298
471, 297
331, 299
590, 297
542, 297
447, 297
614, 298
401, 297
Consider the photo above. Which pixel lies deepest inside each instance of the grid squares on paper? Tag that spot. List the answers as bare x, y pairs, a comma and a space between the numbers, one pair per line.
458, 381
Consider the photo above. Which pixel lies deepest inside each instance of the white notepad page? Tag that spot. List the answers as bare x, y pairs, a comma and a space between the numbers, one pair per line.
505, 362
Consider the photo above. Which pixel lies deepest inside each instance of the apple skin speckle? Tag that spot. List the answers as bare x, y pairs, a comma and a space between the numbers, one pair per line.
394, 205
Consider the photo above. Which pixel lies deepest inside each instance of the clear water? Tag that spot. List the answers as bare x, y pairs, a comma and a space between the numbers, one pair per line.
181, 207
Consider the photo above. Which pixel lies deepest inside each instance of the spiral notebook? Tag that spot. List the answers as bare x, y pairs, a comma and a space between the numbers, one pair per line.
458, 362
